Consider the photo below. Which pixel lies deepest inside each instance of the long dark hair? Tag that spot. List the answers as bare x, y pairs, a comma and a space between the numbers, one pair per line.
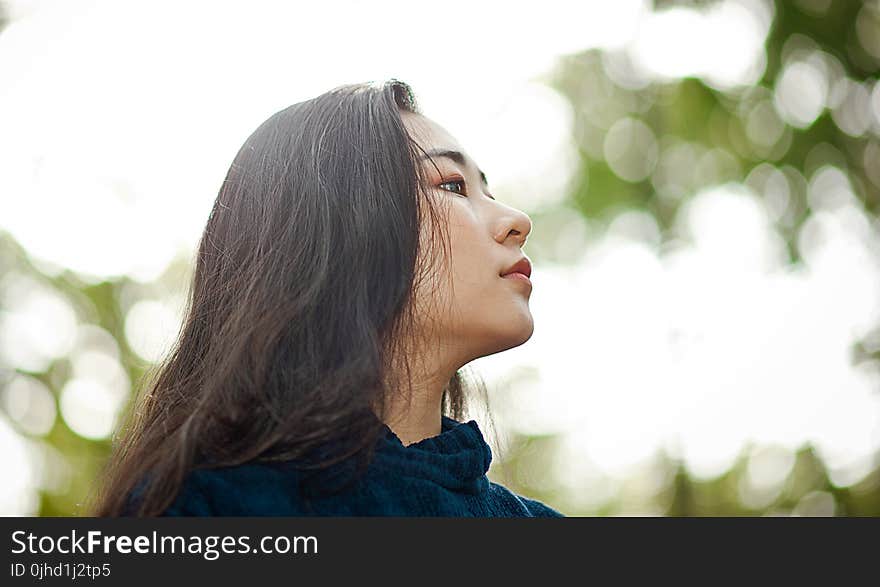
300, 314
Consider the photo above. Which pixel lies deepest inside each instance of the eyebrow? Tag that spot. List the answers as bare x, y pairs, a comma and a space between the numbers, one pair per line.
456, 156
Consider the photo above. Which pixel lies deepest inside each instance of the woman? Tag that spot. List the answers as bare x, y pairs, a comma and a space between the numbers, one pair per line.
353, 263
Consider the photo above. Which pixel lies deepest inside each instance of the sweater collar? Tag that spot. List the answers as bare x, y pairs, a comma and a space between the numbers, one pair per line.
457, 458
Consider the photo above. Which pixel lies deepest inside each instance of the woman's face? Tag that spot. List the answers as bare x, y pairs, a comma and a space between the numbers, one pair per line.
475, 311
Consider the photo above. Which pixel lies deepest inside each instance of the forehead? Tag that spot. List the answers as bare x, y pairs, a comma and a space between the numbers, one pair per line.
436, 140
429, 134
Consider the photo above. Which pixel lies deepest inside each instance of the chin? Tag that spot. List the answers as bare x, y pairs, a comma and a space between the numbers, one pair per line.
514, 333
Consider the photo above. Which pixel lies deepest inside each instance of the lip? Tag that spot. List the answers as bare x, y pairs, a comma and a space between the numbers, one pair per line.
523, 266
517, 276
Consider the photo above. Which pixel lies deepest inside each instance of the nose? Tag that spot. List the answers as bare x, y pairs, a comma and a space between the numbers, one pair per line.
515, 225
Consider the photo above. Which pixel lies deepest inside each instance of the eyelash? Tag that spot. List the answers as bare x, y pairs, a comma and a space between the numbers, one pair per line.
462, 182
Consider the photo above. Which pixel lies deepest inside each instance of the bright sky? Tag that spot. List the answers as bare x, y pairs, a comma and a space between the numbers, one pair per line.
120, 120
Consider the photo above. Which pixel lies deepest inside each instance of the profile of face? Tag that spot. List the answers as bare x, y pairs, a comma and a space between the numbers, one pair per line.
474, 311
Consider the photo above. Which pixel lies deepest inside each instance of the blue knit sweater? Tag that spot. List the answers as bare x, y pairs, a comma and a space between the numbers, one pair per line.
443, 475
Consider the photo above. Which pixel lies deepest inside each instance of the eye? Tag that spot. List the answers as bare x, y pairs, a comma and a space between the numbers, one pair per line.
454, 182
462, 183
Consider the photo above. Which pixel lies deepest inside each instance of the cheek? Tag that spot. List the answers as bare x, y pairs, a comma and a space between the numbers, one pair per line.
477, 294
468, 260
471, 263
466, 297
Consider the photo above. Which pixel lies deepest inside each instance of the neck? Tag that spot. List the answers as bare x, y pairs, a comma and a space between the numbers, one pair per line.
417, 417
413, 410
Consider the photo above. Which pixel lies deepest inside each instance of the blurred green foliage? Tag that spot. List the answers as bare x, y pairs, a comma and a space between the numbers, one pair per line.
691, 112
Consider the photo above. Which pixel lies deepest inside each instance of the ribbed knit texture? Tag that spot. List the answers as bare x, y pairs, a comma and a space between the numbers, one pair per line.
443, 475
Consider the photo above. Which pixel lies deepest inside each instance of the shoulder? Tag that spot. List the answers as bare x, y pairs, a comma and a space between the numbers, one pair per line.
243, 490
527, 506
